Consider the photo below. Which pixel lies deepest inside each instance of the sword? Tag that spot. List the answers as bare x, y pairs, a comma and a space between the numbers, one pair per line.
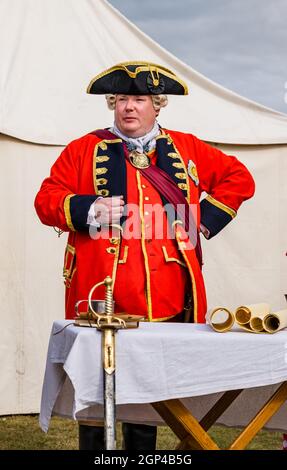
108, 324
108, 353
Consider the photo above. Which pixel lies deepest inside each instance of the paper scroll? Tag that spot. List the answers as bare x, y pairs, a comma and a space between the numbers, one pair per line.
221, 319
250, 317
255, 318
275, 321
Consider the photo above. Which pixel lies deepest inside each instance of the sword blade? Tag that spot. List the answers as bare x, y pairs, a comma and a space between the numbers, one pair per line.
110, 411
108, 338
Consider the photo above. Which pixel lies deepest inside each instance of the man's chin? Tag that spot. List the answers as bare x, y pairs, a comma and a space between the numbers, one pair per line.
131, 131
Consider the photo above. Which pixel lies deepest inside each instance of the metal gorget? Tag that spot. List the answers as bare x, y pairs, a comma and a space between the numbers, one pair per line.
139, 160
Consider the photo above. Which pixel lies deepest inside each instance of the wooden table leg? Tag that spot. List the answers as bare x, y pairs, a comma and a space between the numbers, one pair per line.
257, 423
192, 433
218, 408
187, 441
184, 425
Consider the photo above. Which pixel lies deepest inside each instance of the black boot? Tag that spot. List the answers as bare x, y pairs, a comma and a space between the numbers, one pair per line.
91, 437
139, 436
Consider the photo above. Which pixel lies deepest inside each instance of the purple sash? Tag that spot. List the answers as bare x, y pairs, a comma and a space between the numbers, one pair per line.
167, 188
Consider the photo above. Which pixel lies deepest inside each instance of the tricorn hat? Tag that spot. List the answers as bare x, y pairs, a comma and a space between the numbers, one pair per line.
137, 78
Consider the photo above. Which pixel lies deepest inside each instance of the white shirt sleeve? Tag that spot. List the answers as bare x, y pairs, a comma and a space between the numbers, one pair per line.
205, 231
91, 220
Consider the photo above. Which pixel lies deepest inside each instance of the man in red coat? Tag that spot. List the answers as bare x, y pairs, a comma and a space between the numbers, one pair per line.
129, 196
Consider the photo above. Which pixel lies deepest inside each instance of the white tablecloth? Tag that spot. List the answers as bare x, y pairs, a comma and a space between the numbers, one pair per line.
160, 361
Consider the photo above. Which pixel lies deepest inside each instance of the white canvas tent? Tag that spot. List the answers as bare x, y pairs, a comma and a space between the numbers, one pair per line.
50, 49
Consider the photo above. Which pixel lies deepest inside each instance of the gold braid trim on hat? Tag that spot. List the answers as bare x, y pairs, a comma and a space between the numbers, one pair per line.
143, 67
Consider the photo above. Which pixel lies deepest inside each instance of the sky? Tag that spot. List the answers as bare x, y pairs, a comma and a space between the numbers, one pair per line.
240, 44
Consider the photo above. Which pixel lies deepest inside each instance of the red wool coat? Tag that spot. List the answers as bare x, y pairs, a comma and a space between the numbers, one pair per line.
151, 275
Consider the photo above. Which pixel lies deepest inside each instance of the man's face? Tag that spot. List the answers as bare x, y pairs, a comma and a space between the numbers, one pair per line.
134, 114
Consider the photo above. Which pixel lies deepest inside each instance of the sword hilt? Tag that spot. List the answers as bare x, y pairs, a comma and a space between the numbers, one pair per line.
109, 297
107, 320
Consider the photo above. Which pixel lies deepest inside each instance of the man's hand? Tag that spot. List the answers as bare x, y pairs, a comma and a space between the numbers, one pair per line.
108, 210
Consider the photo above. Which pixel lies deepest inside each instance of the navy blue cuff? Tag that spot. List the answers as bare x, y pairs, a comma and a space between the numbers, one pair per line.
79, 209
213, 218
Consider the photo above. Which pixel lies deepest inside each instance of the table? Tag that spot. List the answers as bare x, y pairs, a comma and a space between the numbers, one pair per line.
158, 366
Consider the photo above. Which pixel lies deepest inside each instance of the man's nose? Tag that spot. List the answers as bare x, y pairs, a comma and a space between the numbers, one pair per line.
130, 104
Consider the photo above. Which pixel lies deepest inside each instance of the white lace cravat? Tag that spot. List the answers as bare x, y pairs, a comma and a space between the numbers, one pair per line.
144, 143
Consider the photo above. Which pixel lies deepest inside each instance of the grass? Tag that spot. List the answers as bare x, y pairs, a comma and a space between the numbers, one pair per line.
23, 433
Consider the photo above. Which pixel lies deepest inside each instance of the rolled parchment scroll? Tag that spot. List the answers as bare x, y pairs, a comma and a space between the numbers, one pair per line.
250, 317
275, 321
221, 319
255, 318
